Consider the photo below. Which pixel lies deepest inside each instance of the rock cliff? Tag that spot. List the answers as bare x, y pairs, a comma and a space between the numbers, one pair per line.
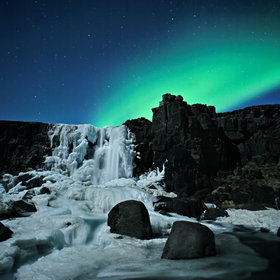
227, 158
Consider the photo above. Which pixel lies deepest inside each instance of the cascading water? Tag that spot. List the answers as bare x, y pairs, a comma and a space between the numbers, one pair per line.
111, 156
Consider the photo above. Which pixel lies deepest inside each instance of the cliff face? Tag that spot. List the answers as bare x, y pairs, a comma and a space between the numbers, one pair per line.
23, 145
213, 156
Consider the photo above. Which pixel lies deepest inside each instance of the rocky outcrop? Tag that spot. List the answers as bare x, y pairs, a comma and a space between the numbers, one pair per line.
189, 240
18, 208
142, 128
185, 138
183, 206
23, 146
252, 187
130, 218
231, 158
5, 233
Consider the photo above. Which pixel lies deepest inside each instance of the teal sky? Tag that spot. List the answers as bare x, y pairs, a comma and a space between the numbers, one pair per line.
216, 64
103, 62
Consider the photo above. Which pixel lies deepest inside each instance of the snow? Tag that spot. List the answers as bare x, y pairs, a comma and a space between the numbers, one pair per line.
269, 218
68, 238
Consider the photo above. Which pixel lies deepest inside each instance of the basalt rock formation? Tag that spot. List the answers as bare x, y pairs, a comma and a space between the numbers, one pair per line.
23, 146
228, 158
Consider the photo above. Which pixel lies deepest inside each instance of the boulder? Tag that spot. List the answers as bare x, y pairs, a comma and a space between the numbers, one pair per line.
189, 240
214, 213
183, 206
45, 190
5, 232
130, 218
21, 208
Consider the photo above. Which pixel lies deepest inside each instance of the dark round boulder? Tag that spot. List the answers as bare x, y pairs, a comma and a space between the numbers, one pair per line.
23, 208
214, 213
5, 232
130, 218
189, 240
45, 190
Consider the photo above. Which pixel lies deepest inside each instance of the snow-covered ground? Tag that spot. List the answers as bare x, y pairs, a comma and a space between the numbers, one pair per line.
68, 237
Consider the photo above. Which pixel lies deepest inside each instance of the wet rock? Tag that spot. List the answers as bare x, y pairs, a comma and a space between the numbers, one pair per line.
183, 206
130, 218
264, 230
5, 233
21, 208
28, 195
189, 240
214, 213
45, 190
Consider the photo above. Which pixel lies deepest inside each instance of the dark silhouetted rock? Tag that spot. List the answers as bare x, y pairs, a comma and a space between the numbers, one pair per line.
130, 218
214, 213
189, 240
28, 195
45, 190
23, 145
142, 129
5, 233
234, 154
183, 206
264, 230
278, 232
23, 208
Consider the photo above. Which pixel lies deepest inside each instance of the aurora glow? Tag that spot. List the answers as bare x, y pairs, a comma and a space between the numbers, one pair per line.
214, 69
103, 62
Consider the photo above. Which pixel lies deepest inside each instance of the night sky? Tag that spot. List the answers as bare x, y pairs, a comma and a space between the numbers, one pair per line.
103, 62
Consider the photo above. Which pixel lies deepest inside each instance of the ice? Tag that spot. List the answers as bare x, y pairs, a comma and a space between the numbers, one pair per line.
269, 218
114, 154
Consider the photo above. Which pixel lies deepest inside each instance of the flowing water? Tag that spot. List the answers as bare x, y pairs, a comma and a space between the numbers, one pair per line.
89, 172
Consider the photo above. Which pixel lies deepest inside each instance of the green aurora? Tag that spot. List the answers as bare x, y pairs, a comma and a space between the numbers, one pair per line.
212, 68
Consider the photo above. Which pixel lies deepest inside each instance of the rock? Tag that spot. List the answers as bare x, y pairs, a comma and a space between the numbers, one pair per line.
21, 208
5, 232
263, 229
278, 232
23, 145
142, 129
130, 218
45, 190
214, 213
28, 195
247, 191
183, 206
189, 240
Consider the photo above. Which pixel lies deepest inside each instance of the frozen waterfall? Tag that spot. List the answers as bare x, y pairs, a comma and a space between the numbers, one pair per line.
92, 154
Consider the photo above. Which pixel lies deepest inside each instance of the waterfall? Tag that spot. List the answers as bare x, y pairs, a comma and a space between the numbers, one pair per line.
103, 154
